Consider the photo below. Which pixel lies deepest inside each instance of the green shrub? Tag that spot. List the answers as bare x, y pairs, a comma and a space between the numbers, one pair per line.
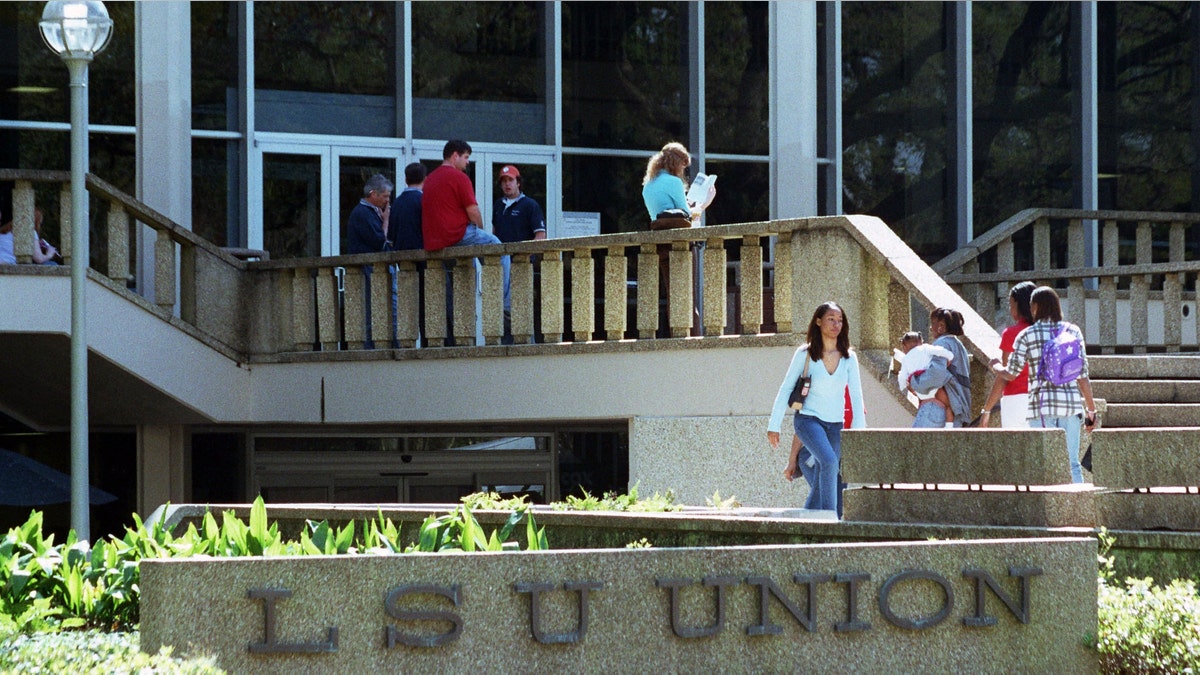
459, 531
1148, 629
46, 587
92, 652
612, 501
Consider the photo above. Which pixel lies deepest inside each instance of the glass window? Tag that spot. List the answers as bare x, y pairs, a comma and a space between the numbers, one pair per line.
215, 170
894, 123
743, 192
326, 68
291, 205
479, 71
611, 186
214, 65
1147, 151
737, 100
1022, 109
624, 73
34, 83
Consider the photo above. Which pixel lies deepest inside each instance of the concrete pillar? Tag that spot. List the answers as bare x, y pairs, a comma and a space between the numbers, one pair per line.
162, 471
164, 121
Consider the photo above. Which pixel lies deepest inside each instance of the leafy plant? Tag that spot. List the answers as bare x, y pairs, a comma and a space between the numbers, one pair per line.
93, 652
716, 502
612, 501
640, 543
460, 531
492, 501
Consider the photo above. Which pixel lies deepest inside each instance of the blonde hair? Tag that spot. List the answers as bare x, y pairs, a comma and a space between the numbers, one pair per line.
673, 158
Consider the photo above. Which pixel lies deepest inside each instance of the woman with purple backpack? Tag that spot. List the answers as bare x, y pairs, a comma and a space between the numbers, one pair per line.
1060, 394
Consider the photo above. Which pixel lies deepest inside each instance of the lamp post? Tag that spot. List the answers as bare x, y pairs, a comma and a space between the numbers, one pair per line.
77, 31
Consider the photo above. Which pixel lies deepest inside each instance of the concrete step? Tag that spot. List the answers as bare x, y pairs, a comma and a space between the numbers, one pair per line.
1147, 391
1151, 415
1144, 367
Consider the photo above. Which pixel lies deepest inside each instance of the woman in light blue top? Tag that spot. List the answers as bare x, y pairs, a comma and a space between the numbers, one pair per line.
662, 186
833, 366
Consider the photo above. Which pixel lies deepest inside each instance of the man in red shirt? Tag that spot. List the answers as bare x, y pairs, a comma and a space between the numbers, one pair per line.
450, 215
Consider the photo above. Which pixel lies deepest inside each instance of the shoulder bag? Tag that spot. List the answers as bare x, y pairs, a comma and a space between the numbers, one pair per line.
800, 391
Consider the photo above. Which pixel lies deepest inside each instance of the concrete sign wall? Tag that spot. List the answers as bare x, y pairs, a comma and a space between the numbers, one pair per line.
982, 606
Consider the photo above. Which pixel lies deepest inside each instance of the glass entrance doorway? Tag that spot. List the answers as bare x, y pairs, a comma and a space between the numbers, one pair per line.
308, 189
309, 186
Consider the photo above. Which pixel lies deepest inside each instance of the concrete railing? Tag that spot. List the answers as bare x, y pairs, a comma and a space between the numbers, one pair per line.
994, 477
197, 285
615, 290
1151, 478
1136, 299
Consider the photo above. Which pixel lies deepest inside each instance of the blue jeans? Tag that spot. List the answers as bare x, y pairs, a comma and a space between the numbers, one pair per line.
824, 441
1072, 425
932, 415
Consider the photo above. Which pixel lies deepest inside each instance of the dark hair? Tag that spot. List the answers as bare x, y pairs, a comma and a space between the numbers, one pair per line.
911, 336
816, 345
1020, 295
414, 173
1044, 304
455, 147
951, 317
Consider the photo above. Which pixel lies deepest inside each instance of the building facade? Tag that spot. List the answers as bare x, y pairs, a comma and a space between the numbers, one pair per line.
254, 124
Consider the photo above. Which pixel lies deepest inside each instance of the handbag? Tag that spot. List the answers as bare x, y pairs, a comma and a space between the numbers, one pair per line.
671, 219
800, 391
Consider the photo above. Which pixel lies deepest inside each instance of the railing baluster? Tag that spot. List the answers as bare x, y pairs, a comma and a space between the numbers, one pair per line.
1076, 252
1108, 286
752, 285
164, 270
1077, 302
552, 296
435, 303
118, 243
1172, 314
715, 291
327, 308
899, 309
583, 294
1173, 289
493, 300
1139, 301
304, 329
782, 283
681, 305
647, 291
381, 306
1041, 244
408, 300
354, 308
1144, 243
464, 301
522, 299
24, 234
616, 293
65, 247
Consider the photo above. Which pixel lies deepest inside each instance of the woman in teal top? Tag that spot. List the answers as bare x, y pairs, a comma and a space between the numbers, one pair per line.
662, 186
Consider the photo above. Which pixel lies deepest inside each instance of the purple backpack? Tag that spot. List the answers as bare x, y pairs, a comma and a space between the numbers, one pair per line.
1062, 358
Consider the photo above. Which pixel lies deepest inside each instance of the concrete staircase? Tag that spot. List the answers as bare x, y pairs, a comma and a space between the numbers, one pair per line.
1147, 390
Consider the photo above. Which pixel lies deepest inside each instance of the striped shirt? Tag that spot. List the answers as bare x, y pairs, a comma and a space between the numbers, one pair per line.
1045, 399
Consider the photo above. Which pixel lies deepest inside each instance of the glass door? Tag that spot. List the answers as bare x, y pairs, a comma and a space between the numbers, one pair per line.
309, 187
292, 204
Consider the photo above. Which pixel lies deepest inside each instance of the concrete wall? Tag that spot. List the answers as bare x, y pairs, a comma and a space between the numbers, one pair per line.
899, 607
